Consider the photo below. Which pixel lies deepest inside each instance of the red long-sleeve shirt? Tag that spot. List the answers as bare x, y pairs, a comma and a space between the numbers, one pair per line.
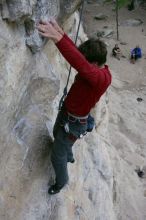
90, 83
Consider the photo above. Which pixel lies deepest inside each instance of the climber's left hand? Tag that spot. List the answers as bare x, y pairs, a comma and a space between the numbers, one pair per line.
46, 29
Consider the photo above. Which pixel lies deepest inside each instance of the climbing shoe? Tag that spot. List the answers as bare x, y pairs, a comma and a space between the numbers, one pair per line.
71, 161
54, 189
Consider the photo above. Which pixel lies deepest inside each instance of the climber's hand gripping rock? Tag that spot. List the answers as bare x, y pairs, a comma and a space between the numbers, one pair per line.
50, 30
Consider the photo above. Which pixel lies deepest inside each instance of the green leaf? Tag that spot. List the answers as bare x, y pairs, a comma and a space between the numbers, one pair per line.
121, 3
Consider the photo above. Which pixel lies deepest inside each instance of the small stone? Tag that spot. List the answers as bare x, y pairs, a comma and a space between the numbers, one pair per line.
123, 43
105, 33
100, 16
140, 172
139, 99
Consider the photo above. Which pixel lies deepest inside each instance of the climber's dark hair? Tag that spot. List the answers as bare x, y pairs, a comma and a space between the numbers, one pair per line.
94, 50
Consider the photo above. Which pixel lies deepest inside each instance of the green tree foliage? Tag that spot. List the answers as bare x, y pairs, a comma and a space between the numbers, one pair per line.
122, 3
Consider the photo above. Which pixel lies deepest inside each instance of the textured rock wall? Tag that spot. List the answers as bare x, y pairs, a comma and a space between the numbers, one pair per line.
30, 86
31, 83
30, 12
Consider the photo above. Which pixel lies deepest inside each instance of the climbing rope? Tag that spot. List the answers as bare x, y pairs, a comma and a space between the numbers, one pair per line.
65, 89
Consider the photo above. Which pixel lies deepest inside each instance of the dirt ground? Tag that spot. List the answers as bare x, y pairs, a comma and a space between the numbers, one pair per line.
132, 36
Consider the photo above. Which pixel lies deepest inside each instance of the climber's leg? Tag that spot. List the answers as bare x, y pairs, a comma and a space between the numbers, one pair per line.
60, 121
59, 158
70, 157
61, 148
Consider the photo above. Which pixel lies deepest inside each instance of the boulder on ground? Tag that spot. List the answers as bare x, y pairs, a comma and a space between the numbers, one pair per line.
105, 33
100, 16
132, 22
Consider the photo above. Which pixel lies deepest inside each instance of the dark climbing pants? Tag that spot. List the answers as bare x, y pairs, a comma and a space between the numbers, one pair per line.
63, 142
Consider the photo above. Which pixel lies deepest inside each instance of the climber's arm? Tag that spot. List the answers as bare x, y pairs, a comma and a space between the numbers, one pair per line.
60, 30
86, 70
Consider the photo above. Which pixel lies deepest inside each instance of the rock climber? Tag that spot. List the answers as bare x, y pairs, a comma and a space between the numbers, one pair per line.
90, 83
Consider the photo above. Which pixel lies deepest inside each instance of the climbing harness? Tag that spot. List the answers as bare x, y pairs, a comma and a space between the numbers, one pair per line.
65, 89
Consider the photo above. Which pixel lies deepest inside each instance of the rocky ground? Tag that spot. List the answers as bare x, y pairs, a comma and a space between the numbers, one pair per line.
127, 113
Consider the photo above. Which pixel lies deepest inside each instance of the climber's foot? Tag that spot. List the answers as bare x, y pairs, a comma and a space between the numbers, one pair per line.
54, 189
71, 161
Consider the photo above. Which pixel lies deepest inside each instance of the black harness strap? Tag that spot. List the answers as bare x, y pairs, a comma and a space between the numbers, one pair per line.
65, 89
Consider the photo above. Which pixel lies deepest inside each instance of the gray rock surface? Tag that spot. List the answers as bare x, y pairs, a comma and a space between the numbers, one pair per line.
30, 12
30, 86
103, 183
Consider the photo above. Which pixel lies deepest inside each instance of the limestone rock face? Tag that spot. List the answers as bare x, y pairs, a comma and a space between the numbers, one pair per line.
30, 12
31, 85
101, 185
